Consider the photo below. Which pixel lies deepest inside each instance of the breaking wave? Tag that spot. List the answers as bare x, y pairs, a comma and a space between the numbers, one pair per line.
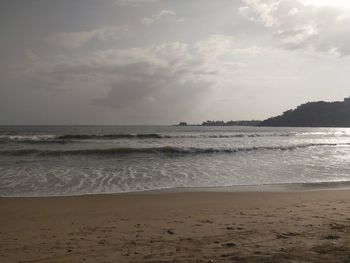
71, 138
168, 150
111, 136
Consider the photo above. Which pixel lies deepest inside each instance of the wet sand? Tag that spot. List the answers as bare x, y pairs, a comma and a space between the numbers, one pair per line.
294, 226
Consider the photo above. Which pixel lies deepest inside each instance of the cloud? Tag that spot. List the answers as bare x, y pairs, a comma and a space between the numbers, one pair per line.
299, 25
32, 55
202, 61
134, 79
161, 15
134, 3
166, 79
80, 38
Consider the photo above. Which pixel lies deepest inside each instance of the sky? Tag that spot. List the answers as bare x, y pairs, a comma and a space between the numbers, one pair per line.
147, 62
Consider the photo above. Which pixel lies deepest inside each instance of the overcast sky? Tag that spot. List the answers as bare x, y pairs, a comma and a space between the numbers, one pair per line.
165, 61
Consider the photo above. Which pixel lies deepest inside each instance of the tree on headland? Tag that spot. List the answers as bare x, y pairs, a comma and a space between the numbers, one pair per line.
314, 114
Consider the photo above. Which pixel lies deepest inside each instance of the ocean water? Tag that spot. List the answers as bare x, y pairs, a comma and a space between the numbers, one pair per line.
71, 160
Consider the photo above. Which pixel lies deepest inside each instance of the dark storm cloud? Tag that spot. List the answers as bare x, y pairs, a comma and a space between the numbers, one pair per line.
147, 80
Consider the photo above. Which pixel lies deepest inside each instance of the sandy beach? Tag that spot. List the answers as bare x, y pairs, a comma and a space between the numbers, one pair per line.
292, 226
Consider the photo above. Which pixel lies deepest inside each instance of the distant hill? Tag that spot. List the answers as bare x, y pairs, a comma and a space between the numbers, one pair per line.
314, 114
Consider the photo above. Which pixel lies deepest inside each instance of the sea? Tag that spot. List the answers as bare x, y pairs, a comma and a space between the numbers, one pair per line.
76, 160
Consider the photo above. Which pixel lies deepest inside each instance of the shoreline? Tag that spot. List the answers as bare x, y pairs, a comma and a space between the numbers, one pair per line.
283, 187
270, 226
279, 187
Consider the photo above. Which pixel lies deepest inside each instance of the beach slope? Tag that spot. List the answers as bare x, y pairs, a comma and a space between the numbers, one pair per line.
304, 226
